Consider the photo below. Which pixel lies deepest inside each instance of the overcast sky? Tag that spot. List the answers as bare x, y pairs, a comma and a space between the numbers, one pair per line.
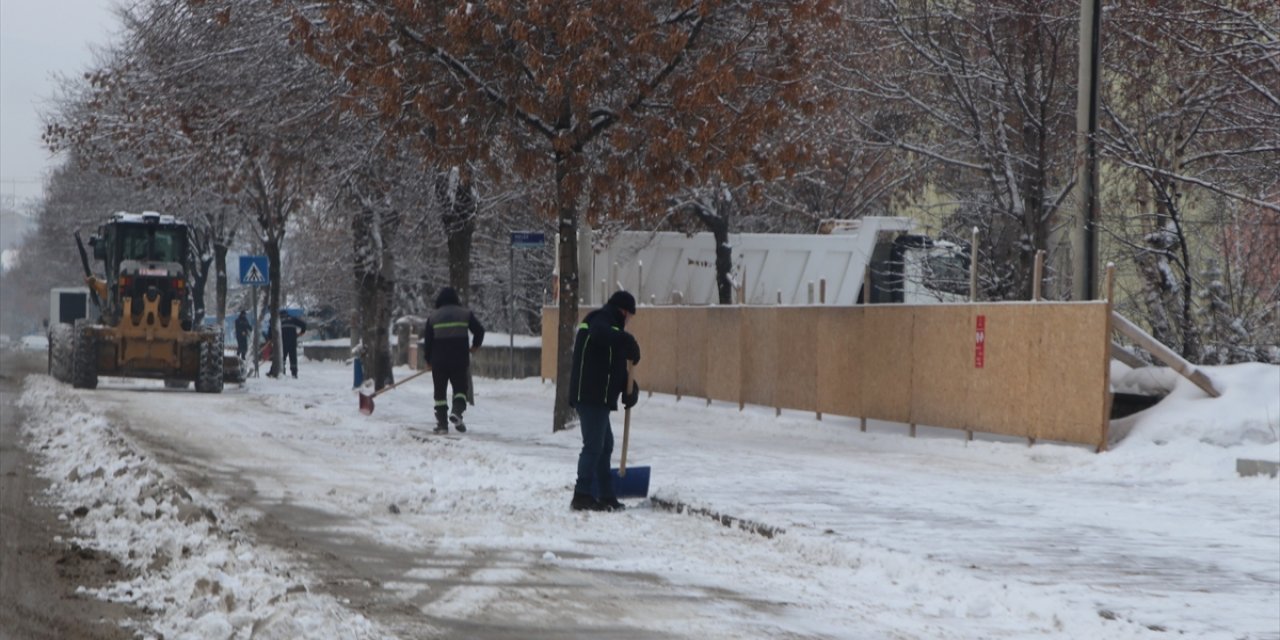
38, 40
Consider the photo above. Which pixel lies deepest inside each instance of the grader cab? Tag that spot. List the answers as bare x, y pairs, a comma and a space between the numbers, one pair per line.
146, 326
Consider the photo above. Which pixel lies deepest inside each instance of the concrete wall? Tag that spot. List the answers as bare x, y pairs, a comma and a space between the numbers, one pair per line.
492, 361
1036, 369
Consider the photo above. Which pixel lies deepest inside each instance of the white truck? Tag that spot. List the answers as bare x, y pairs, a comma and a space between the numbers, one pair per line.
829, 267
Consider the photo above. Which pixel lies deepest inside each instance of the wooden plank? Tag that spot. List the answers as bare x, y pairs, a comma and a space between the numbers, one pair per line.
759, 355
655, 330
1001, 392
692, 351
885, 346
550, 315
839, 365
796, 332
1071, 378
724, 371
942, 339
1164, 354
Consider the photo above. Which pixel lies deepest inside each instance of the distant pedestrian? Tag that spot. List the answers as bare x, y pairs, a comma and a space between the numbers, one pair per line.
601, 351
243, 328
290, 328
447, 350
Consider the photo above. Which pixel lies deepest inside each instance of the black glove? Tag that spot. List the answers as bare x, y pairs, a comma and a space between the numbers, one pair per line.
630, 399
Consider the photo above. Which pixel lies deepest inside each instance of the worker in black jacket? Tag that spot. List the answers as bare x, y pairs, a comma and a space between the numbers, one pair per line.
601, 351
447, 349
243, 328
291, 327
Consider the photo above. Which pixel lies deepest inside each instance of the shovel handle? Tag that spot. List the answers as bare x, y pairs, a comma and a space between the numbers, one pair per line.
626, 434
626, 428
392, 386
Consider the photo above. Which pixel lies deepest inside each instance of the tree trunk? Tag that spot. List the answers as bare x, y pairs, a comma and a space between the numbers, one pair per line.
220, 267
567, 219
373, 298
456, 194
718, 223
374, 271
272, 247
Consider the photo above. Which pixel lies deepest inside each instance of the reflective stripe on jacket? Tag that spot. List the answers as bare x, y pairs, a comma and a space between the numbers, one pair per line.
444, 340
601, 350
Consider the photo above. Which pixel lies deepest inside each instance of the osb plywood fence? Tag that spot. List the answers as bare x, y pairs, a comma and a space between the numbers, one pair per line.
1038, 370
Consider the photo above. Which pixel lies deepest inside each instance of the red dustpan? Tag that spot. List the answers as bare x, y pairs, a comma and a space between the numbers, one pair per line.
367, 392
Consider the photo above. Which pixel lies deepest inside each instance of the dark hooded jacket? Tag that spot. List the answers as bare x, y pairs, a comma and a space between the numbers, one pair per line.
291, 327
445, 344
243, 327
601, 350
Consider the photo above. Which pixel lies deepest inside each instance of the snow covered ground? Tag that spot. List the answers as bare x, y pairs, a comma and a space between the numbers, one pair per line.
882, 535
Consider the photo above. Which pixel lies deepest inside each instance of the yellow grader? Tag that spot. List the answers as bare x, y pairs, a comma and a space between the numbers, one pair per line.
145, 326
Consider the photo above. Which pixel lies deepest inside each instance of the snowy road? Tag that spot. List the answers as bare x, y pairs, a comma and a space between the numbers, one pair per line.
886, 536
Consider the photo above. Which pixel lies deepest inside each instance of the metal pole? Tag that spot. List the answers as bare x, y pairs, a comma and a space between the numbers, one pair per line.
973, 267
511, 317
1038, 277
257, 331
1084, 238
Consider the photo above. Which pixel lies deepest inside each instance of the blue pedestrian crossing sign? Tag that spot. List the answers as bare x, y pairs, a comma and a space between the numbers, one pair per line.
253, 271
527, 240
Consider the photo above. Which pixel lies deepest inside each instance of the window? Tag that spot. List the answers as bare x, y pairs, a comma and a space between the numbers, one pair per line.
151, 243
947, 273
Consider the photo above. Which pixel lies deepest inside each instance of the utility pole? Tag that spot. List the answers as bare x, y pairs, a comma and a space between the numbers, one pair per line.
1084, 233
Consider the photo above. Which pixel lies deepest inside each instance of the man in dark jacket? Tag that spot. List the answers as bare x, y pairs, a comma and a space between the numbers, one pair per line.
447, 349
290, 328
601, 351
242, 334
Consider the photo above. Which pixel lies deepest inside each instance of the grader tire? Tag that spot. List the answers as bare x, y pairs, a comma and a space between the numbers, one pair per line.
84, 369
209, 379
61, 348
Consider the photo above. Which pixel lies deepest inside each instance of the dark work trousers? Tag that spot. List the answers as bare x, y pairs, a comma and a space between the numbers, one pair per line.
242, 346
597, 451
443, 377
291, 355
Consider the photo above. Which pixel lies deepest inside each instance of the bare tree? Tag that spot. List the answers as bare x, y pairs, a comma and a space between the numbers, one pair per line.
75, 198
1192, 136
982, 93
178, 97
609, 106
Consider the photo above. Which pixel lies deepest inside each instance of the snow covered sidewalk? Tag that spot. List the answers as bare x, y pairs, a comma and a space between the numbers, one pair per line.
884, 535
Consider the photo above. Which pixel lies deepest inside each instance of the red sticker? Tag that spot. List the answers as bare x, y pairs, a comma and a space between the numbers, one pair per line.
980, 343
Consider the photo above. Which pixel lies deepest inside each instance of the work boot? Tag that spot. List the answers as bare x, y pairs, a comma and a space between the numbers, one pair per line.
442, 420
611, 504
584, 502
455, 419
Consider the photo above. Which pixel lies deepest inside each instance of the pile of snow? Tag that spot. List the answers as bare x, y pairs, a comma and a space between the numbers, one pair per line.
1190, 435
35, 343
197, 575
1247, 415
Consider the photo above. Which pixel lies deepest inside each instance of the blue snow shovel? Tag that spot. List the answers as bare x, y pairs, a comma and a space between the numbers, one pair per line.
633, 482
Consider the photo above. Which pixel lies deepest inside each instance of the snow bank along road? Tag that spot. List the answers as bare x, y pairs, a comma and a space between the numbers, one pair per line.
294, 516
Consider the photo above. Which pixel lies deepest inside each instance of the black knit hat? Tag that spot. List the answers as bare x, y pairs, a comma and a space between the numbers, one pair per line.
624, 301
447, 296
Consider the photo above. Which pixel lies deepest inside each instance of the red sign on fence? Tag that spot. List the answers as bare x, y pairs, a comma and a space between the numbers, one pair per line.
980, 343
